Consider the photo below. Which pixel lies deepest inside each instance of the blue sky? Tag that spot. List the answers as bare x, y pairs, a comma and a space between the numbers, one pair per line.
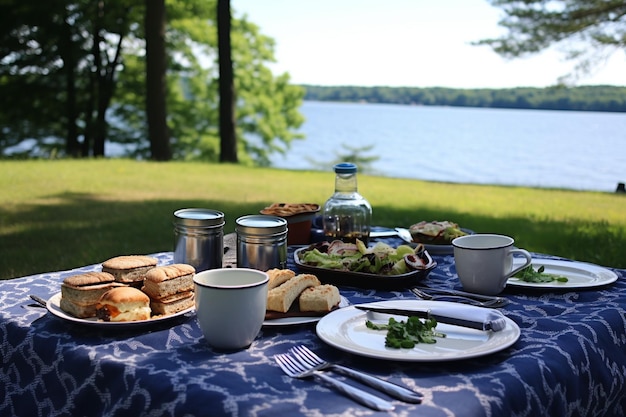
347, 42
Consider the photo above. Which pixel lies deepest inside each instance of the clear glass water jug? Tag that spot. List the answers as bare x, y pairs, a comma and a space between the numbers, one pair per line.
347, 215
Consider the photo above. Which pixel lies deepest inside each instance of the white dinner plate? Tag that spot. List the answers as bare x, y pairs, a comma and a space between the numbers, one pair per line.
54, 307
579, 274
293, 321
345, 329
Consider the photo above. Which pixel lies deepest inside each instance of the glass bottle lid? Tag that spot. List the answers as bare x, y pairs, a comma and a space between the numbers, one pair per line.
345, 168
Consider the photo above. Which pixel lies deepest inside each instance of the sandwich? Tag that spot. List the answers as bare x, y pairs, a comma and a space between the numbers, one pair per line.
80, 293
321, 298
170, 288
280, 298
129, 269
172, 303
123, 304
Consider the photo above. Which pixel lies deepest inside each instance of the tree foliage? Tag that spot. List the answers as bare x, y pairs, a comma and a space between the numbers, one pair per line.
587, 29
80, 66
583, 98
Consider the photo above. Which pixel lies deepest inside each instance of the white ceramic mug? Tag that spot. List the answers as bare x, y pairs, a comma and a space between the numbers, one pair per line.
484, 262
230, 305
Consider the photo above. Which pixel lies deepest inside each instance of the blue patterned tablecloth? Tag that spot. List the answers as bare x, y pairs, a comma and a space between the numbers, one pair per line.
569, 361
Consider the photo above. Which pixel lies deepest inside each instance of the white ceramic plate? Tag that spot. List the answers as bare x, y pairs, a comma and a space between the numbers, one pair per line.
345, 329
579, 274
54, 307
292, 321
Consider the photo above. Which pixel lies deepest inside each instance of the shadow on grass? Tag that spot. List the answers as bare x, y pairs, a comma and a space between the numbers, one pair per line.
80, 229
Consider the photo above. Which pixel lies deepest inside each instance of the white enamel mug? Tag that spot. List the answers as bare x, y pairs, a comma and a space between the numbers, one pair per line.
484, 262
230, 305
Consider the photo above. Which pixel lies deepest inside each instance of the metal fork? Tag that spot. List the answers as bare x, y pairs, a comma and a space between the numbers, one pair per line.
293, 369
494, 302
313, 362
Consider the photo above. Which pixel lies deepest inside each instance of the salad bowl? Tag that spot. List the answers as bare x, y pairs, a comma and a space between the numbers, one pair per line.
365, 279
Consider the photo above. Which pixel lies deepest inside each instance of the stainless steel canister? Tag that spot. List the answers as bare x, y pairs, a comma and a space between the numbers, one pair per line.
261, 242
199, 238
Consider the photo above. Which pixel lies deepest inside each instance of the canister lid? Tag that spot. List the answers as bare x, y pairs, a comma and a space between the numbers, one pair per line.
199, 217
260, 224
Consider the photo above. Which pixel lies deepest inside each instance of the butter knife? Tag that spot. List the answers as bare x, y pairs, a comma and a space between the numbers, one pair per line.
485, 320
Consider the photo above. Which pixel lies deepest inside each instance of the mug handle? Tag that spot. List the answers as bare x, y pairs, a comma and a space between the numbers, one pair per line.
526, 255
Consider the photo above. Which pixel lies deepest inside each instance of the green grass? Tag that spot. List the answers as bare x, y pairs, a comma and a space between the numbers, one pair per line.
57, 215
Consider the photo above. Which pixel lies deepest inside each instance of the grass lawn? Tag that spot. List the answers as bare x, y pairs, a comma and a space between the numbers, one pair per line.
57, 215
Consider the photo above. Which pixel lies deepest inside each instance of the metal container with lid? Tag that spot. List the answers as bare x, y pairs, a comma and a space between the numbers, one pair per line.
261, 242
199, 238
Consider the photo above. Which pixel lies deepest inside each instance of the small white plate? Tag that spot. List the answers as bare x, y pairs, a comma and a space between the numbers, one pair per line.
345, 329
292, 321
579, 275
54, 307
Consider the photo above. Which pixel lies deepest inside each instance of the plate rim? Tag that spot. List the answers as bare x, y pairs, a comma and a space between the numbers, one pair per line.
564, 285
401, 357
53, 306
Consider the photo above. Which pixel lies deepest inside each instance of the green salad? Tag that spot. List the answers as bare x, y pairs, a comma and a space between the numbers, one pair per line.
380, 259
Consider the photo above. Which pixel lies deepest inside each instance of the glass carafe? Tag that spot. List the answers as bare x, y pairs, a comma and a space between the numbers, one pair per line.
347, 215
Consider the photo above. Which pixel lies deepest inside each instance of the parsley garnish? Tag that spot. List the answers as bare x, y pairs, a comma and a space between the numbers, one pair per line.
528, 274
401, 334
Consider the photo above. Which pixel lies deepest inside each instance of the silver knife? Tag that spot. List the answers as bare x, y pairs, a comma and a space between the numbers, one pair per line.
490, 319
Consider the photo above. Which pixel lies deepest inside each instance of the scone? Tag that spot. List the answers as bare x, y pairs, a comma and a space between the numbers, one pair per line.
129, 269
278, 277
280, 298
321, 298
123, 304
80, 293
170, 288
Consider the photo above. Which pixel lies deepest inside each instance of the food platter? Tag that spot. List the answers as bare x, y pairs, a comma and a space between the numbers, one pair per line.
579, 275
443, 249
345, 329
298, 320
54, 306
365, 280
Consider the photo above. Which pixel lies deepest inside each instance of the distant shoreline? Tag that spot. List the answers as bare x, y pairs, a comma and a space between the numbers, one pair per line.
602, 98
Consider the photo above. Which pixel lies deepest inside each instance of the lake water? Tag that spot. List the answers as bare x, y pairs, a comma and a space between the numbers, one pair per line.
536, 148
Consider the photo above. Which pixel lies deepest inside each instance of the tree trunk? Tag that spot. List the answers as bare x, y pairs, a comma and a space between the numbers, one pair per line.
156, 85
228, 138
72, 147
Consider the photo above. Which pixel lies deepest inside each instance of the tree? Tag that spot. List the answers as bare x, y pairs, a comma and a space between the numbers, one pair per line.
73, 97
156, 83
588, 29
228, 136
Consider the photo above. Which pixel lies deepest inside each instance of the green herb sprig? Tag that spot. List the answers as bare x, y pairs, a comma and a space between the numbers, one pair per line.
528, 274
401, 334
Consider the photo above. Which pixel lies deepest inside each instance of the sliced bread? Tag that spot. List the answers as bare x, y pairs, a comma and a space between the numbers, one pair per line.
321, 298
280, 298
279, 277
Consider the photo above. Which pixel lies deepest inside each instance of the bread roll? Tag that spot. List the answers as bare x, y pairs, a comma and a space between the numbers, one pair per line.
278, 277
280, 298
129, 269
321, 298
123, 304
164, 281
80, 293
